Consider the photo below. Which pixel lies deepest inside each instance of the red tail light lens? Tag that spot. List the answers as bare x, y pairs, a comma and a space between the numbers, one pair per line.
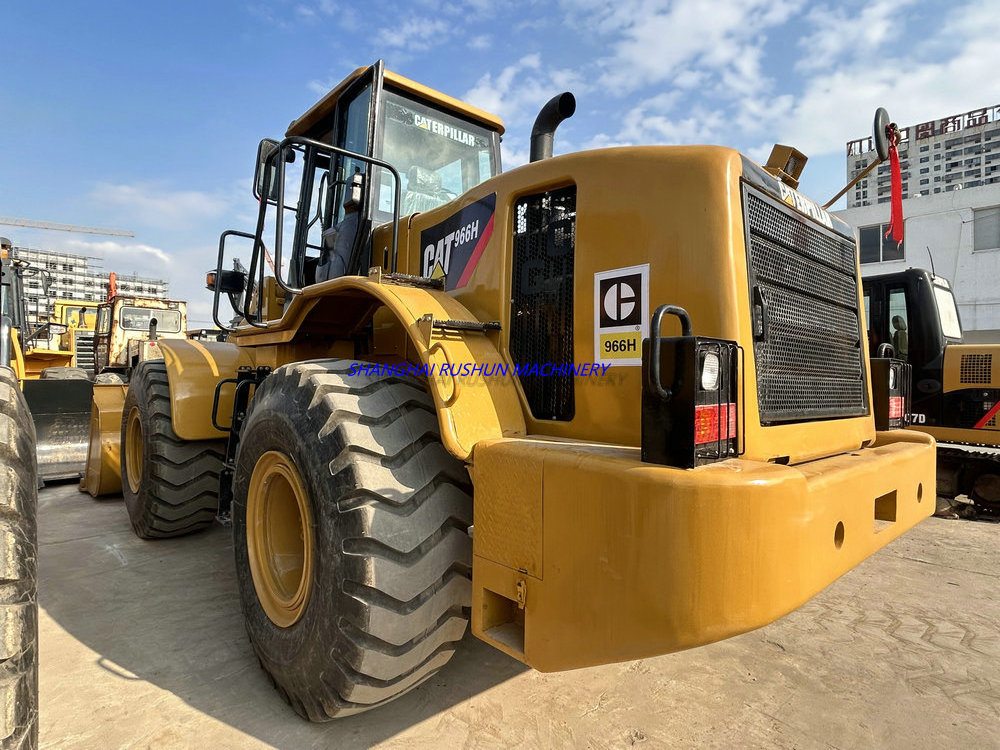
707, 419
895, 407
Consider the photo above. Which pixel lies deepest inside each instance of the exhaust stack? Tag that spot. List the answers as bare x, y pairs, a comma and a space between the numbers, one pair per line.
554, 112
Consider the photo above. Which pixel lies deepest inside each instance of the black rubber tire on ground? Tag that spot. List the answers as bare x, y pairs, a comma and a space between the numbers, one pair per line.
64, 373
390, 583
176, 482
18, 569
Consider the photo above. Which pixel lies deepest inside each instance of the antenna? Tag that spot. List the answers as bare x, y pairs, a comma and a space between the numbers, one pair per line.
932, 260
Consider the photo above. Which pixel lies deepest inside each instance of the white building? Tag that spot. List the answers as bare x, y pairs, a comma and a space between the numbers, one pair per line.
951, 190
71, 276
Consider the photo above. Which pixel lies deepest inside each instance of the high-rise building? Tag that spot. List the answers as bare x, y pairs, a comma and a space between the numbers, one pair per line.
951, 210
953, 153
58, 275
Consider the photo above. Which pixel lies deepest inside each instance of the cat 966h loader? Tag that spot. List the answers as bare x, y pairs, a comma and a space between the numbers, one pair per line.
606, 405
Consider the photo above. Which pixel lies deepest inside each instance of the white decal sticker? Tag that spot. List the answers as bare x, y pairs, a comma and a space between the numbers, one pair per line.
621, 315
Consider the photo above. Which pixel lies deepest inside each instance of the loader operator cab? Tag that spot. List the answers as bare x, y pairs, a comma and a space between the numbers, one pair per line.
915, 312
342, 164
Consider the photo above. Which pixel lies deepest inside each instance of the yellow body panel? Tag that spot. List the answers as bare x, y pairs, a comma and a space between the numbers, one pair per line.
624, 560
193, 370
694, 243
984, 374
981, 373
470, 408
103, 473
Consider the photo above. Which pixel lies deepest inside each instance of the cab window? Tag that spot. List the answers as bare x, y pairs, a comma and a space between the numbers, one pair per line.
898, 324
138, 319
438, 155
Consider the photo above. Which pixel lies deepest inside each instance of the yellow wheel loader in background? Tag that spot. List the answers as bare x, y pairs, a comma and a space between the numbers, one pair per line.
606, 405
58, 394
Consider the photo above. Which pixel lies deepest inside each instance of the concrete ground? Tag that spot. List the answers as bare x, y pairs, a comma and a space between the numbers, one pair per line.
142, 645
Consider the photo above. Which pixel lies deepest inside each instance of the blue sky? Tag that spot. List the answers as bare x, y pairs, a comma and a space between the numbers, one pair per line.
146, 116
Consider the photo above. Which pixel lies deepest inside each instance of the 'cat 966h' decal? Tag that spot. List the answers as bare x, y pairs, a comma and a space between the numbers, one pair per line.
452, 248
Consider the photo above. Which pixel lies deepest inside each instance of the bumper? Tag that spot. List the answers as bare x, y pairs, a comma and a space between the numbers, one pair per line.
583, 555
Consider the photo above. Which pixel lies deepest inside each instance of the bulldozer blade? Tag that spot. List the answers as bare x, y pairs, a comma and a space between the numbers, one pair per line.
103, 474
60, 410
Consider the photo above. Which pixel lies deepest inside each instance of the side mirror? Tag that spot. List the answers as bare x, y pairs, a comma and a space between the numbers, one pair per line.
267, 166
57, 328
228, 282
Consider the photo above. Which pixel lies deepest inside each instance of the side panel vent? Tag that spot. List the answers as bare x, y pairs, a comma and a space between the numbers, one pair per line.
976, 369
541, 315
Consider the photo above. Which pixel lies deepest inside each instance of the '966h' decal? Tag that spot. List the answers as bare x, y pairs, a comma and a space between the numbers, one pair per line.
451, 249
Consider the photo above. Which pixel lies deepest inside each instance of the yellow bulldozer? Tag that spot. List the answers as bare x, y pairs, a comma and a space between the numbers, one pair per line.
605, 405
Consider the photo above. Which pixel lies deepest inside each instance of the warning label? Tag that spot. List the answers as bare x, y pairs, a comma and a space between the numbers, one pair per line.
621, 315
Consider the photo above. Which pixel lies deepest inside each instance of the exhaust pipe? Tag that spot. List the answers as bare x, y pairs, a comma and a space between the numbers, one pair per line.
554, 112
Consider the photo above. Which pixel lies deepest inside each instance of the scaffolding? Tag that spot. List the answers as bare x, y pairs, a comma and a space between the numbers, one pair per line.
62, 275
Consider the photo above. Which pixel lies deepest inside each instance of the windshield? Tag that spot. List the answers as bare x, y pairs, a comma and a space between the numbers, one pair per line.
137, 319
948, 312
438, 155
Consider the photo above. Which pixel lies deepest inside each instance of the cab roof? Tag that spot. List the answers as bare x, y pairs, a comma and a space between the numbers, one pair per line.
325, 106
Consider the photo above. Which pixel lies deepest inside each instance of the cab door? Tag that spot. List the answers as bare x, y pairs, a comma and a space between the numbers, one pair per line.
102, 337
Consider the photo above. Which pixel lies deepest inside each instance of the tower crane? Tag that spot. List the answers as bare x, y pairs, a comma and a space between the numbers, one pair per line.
36, 224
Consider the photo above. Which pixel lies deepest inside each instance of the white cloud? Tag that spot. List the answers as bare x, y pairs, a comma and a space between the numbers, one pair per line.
914, 85
415, 34
656, 39
480, 42
119, 255
155, 205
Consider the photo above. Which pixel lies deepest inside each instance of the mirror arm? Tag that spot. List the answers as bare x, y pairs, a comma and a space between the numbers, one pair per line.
852, 183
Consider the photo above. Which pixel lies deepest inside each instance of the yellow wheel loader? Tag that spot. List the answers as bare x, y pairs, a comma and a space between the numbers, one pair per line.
59, 395
604, 406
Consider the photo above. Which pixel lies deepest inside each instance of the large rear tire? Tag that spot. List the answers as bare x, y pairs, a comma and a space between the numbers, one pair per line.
18, 569
350, 525
171, 486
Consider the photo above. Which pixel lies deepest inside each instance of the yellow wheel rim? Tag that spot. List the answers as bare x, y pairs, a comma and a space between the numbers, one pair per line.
279, 538
133, 450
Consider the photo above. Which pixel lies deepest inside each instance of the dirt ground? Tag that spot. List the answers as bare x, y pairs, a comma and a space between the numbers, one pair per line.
142, 645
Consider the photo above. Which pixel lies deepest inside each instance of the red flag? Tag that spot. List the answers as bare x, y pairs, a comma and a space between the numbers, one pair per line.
896, 202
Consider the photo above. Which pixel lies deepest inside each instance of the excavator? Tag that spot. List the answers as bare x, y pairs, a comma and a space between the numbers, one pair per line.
956, 385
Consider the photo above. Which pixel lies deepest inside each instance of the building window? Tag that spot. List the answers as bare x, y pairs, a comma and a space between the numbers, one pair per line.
924, 181
986, 229
875, 247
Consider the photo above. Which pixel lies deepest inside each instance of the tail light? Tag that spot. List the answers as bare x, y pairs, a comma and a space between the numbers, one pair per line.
690, 413
891, 384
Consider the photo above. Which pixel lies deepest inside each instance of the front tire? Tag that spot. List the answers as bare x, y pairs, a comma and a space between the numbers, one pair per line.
350, 525
171, 486
18, 569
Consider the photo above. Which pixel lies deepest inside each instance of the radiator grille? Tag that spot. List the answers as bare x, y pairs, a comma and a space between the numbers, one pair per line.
541, 327
804, 300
